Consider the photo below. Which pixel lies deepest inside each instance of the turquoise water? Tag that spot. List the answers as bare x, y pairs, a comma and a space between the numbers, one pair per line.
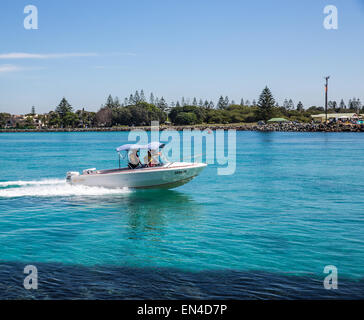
294, 205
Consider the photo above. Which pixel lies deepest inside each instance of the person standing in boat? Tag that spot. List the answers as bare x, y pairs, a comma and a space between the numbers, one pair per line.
148, 159
134, 160
152, 158
155, 157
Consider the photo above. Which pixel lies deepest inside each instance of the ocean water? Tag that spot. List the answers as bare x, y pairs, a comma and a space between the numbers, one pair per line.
294, 205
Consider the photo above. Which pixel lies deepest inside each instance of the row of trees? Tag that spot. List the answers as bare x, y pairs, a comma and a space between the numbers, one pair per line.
225, 112
140, 114
136, 99
136, 111
222, 102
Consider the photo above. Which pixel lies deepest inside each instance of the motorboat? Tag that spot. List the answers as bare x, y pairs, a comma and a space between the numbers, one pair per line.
160, 174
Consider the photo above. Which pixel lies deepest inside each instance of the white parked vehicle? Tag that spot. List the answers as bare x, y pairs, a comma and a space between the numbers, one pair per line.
161, 175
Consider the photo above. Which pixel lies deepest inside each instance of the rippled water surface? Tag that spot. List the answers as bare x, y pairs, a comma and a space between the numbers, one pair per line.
294, 205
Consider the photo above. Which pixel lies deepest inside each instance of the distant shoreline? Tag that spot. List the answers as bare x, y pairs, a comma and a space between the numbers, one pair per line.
279, 127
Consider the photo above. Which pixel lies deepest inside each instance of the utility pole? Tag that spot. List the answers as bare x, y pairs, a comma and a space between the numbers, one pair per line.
326, 88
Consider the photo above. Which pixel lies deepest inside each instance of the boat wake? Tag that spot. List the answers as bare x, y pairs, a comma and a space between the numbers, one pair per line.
52, 188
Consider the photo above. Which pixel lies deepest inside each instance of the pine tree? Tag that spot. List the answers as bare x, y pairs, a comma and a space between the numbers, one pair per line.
131, 100
136, 97
290, 104
286, 104
221, 103
194, 101
126, 102
342, 105
226, 102
64, 111
266, 104
200, 103
162, 104
247, 103
177, 104
63, 108
116, 103
242, 102
300, 106
33, 111
349, 104
142, 96
355, 105
334, 106
151, 99
254, 103
109, 102
359, 105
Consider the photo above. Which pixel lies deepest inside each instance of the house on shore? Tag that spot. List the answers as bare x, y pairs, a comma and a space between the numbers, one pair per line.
337, 117
21, 120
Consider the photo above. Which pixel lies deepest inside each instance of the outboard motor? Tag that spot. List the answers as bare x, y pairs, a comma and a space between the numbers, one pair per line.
71, 174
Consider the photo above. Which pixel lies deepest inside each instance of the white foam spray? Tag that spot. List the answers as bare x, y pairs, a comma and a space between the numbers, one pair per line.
52, 188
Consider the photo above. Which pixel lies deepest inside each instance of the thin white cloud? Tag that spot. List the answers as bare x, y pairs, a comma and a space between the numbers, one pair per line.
13, 68
9, 68
24, 55
110, 67
132, 54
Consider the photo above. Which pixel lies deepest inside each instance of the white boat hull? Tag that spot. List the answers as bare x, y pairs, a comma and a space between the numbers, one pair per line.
170, 175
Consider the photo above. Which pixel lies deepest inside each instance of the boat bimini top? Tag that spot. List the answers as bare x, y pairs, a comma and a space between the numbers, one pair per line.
153, 146
150, 146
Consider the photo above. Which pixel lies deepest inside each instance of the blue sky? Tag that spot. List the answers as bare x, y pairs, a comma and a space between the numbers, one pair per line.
85, 50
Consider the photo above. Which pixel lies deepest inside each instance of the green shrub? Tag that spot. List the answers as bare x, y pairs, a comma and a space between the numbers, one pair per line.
186, 118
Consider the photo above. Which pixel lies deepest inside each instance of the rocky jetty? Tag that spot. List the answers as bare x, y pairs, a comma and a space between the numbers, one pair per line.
309, 127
